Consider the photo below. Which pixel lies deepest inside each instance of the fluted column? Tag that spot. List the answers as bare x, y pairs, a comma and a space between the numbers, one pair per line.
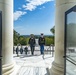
6, 6
61, 7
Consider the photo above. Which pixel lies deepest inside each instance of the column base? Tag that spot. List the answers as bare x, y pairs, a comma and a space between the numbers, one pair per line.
7, 69
57, 69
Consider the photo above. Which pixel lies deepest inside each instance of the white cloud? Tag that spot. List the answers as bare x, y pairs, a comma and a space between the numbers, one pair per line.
32, 4
18, 14
42, 7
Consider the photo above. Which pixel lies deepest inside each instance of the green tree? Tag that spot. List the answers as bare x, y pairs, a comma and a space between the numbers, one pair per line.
19, 39
49, 41
53, 30
16, 36
27, 40
22, 40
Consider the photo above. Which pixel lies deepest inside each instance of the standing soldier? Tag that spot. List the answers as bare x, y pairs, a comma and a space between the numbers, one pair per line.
41, 43
32, 43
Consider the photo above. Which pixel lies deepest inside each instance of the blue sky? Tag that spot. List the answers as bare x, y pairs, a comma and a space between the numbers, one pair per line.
34, 16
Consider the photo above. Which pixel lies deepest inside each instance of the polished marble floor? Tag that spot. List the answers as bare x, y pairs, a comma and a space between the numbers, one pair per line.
32, 65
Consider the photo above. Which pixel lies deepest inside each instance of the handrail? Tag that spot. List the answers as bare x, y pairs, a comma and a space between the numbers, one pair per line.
49, 49
71, 60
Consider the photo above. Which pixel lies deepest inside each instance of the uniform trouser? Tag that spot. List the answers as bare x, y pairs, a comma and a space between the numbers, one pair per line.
42, 49
32, 49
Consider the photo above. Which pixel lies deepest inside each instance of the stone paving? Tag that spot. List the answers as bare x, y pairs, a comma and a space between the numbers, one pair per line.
32, 65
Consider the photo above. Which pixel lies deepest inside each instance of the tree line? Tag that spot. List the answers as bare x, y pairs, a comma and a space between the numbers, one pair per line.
19, 39
23, 40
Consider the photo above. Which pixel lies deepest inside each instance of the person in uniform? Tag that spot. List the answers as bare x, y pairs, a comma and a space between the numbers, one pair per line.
41, 42
32, 43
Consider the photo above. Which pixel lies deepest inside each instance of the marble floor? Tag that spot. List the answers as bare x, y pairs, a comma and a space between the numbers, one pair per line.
32, 65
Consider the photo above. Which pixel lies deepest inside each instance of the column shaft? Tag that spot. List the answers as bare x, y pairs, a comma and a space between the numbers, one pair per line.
61, 7
6, 6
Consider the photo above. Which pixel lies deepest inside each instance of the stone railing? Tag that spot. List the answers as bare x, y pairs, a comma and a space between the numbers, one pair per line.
47, 49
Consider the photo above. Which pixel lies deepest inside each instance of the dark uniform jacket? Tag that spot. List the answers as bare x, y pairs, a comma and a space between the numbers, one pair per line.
32, 41
41, 41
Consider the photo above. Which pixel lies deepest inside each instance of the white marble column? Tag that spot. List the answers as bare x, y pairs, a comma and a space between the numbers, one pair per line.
6, 6
61, 7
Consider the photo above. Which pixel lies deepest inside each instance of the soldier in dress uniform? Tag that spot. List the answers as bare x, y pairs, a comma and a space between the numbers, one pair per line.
41, 43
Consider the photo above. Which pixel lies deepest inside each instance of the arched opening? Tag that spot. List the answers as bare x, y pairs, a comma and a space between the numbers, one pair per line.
36, 20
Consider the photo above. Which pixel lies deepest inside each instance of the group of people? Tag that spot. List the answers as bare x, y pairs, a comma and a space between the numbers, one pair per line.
32, 43
41, 42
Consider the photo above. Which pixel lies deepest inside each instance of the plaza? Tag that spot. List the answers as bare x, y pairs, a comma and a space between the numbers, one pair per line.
33, 65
